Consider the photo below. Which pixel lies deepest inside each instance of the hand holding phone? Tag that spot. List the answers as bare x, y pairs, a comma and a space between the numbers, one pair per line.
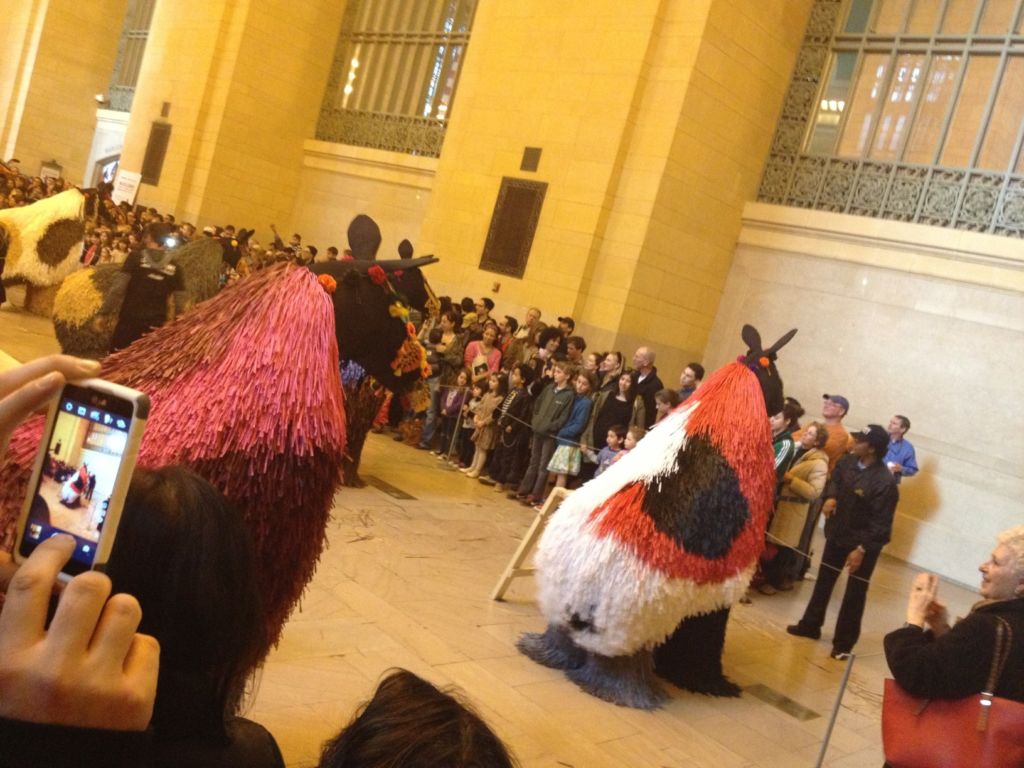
89, 669
82, 471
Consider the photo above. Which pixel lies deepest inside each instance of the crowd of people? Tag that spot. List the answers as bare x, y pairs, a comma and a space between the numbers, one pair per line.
512, 402
113, 230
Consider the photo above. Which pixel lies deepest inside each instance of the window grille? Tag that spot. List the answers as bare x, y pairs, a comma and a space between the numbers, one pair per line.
911, 110
395, 70
130, 49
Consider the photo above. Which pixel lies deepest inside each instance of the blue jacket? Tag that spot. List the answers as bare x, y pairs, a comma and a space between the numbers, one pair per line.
578, 418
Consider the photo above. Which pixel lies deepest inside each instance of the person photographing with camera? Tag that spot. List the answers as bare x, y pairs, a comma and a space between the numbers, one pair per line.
81, 690
148, 278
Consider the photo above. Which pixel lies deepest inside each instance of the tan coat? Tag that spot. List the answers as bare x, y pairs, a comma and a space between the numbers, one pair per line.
809, 474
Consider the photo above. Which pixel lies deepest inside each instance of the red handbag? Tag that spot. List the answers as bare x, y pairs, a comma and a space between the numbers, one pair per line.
977, 731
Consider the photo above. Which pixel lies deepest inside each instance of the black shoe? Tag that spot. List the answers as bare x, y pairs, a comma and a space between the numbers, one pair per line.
840, 655
486, 481
802, 631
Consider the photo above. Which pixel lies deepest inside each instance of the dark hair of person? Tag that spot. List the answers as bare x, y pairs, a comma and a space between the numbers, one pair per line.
698, 370
488, 302
467, 304
158, 232
332, 250
454, 317
590, 377
669, 396
631, 392
409, 723
547, 335
525, 373
619, 430
791, 412
313, 250
185, 553
905, 422
444, 304
502, 382
577, 341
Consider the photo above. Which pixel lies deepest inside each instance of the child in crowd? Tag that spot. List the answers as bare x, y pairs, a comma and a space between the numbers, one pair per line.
513, 431
633, 436
486, 428
550, 412
613, 447
665, 401
466, 445
452, 399
566, 459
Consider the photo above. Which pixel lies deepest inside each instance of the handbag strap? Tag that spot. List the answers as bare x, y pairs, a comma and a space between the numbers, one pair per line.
1004, 641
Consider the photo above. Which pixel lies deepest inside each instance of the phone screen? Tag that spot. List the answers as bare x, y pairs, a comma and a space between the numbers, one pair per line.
84, 453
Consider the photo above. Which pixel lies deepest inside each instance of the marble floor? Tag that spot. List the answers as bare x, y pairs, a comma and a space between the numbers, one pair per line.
405, 583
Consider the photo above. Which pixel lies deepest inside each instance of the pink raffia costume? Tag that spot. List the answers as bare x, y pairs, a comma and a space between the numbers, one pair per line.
246, 390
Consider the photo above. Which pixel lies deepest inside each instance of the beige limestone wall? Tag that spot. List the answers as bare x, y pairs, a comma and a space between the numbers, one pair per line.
19, 37
899, 318
339, 181
562, 77
733, 93
55, 56
654, 119
244, 80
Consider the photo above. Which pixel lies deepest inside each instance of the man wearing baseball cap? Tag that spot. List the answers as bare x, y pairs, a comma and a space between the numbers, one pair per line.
860, 501
833, 410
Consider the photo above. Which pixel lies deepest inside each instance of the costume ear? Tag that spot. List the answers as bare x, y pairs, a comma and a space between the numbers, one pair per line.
780, 343
752, 339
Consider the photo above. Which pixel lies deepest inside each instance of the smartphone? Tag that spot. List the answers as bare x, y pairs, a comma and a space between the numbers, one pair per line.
81, 474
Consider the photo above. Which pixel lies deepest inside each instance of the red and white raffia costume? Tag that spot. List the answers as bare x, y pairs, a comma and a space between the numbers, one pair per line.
672, 530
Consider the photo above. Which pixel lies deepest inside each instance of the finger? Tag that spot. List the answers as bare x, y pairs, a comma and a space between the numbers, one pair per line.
20, 404
78, 612
23, 619
69, 367
115, 632
141, 668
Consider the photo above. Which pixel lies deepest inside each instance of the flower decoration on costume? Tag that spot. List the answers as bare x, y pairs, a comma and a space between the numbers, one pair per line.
764, 362
398, 274
377, 275
410, 357
328, 283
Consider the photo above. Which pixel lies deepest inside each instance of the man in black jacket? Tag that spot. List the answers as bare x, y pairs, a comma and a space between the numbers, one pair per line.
860, 501
647, 382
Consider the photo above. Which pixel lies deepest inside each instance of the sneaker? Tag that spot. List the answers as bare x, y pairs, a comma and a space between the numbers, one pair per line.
801, 631
486, 481
499, 487
473, 474
840, 655
767, 589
